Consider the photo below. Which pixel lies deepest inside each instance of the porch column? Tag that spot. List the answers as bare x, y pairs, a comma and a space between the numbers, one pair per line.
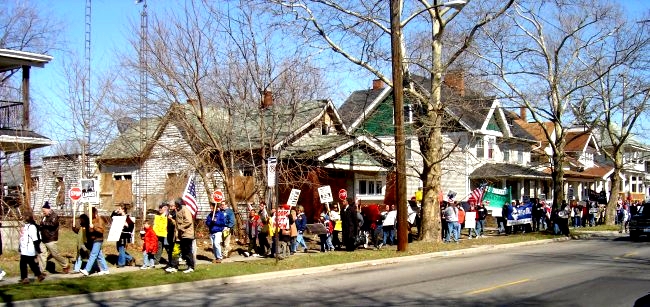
27, 154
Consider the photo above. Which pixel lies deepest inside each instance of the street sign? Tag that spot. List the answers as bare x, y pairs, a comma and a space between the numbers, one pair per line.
325, 194
343, 194
293, 197
270, 171
217, 196
75, 194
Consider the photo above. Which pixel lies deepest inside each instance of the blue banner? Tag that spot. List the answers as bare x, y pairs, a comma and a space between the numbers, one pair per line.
520, 215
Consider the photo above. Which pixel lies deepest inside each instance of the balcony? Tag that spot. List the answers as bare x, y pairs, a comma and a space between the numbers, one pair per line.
11, 115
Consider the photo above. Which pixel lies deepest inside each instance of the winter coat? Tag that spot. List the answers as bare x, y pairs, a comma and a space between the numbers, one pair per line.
50, 227
150, 244
184, 224
28, 235
96, 233
216, 221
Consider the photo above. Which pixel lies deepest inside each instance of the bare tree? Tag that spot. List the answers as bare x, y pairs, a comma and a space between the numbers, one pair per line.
543, 54
225, 61
359, 31
615, 105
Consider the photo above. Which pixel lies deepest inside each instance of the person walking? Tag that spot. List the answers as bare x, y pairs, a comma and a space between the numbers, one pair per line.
29, 247
95, 234
160, 228
124, 258
50, 237
149, 247
185, 229
350, 226
216, 223
82, 243
301, 226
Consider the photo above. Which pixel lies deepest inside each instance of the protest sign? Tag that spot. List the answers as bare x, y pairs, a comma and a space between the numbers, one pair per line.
521, 215
116, 228
470, 219
283, 219
391, 216
325, 194
317, 228
497, 198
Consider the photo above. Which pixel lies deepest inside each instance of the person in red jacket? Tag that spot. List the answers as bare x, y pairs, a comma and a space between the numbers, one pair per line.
149, 247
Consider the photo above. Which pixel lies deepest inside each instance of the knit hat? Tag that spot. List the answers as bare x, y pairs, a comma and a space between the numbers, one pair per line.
46, 205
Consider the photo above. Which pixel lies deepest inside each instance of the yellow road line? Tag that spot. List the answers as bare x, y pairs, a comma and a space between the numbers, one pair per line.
498, 286
629, 254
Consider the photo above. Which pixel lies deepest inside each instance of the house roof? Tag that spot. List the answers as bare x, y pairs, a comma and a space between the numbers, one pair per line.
12, 140
238, 129
577, 141
507, 170
13, 59
129, 144
470, 110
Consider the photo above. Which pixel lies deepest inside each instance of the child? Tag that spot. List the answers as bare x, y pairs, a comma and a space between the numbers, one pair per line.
325, 238
149, 247
29, 249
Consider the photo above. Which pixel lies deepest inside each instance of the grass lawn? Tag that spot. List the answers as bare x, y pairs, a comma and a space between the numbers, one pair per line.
60, 287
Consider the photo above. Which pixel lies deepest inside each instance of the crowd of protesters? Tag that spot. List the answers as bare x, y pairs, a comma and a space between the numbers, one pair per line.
170, 237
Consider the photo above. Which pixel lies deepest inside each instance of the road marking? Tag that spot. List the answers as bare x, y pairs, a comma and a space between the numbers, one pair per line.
498, 286
628, 255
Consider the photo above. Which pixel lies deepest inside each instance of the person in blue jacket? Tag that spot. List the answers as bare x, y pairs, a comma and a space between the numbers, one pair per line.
216, 222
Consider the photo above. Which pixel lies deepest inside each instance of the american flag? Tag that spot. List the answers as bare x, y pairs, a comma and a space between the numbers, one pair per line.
189, 196
477, 195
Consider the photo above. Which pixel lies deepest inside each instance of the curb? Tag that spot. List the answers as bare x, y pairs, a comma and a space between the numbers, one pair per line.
102, 296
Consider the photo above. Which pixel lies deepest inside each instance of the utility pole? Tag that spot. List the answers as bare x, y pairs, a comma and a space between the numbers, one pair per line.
398, 105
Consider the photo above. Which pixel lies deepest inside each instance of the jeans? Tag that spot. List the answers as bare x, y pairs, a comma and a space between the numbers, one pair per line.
453, 228
161, 244
329, 242
216, 244
252, 245
96, 254
265, 247
77, 264
292, 245
300, 241
148, 259
480, 225
123, 257
389, 235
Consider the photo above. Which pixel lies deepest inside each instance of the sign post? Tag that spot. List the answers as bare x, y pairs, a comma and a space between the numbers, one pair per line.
75, 195
270, 171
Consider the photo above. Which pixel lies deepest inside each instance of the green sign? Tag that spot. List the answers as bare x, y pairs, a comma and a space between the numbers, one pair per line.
497, 198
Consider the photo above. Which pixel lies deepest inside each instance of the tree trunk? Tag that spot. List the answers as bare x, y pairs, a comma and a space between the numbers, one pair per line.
610, 213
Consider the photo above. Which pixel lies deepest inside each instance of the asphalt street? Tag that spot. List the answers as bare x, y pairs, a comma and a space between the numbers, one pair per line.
589, 272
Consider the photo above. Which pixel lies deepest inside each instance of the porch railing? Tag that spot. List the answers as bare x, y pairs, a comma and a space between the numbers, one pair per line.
11, 114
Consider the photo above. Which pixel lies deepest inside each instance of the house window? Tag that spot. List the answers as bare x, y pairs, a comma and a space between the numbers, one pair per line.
408, 114
407, 146
506, 153
480, 150
370, 187
490, 149
520, 154
324, 128
122, 176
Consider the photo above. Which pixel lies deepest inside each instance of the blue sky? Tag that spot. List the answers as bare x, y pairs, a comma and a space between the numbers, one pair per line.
111, 23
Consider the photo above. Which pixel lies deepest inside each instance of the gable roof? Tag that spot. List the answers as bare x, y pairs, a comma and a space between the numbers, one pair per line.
578, 141
359, 101
239, 129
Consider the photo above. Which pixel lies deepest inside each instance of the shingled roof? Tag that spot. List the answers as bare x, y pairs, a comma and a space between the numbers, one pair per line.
506, 170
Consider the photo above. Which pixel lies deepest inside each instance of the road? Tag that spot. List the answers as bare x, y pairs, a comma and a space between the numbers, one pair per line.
591, 272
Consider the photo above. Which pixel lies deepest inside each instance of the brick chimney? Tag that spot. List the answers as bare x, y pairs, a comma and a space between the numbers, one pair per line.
455, 79
522, 113
267, 99
377, 84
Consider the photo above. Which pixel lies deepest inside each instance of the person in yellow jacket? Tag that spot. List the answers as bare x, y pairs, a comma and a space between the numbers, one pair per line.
160, 228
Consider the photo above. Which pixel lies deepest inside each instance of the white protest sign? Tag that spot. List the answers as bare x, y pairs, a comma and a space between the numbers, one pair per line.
412, 215
116, 228
470, 220
325, 194
90, 191
293, 197
391, 216
283, 219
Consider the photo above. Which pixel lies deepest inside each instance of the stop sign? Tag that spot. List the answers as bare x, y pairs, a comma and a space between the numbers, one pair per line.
217, 196
75, 194
343, 194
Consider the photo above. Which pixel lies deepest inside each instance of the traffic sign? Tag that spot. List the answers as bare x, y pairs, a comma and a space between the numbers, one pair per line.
217, 196
343, 194
75, 194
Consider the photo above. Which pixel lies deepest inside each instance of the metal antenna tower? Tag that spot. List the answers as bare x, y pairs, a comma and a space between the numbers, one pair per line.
85, 148
143, 112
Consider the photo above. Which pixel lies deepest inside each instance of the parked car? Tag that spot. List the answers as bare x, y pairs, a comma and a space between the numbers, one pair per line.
640, 222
